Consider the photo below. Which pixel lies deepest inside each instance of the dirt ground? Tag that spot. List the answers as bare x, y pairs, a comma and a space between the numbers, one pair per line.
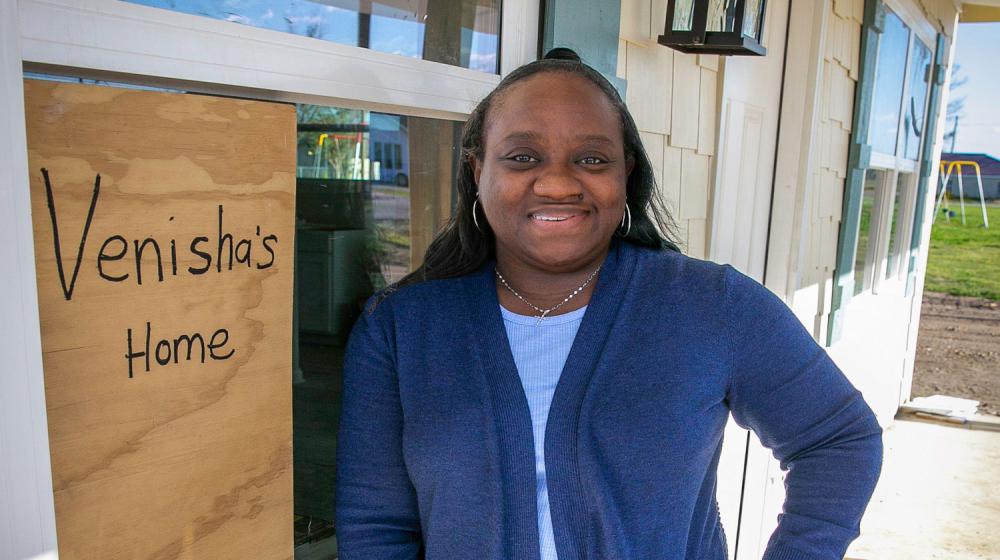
958, 350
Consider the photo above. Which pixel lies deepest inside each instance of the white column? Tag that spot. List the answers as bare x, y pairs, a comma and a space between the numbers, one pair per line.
27, 515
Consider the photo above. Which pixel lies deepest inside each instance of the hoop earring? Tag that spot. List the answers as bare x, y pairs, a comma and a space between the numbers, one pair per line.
474, 219
626, 219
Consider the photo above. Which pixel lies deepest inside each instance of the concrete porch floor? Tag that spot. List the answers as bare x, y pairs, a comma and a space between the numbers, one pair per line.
938, 496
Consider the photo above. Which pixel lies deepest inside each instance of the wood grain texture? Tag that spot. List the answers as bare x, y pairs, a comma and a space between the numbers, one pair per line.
190, 459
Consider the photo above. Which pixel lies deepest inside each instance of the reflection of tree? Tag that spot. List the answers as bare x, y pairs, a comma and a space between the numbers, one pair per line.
319, 114
314, 23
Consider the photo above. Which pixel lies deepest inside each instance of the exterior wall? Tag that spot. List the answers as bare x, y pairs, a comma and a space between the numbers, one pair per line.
673, 98
876, 348
880, 330
839, 77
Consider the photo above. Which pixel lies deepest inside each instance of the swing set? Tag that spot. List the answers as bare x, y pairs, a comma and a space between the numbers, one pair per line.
947, 169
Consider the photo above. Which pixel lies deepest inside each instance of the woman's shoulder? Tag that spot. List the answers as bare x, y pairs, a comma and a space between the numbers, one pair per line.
418, 298
694, 279
680, 269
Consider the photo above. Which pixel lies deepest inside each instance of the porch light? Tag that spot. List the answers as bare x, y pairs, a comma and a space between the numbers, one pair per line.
727, 27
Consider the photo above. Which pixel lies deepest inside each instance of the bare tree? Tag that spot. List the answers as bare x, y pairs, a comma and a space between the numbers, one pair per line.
956, 105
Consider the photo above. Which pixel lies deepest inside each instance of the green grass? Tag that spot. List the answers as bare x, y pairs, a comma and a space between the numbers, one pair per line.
965, 260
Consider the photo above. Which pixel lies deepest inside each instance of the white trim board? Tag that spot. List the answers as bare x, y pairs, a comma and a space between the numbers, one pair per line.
27, 513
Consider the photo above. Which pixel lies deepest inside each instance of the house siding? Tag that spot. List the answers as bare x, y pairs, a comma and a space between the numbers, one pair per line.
673, 98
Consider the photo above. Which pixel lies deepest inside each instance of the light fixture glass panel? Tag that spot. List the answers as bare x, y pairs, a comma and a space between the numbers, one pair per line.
683, 15
752, 18
721, 15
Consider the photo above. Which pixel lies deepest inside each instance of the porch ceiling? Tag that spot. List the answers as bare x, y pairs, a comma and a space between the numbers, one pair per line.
980, 11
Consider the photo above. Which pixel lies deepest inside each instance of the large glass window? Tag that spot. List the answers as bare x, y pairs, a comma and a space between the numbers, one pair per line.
889, 73
459, 32
372, 189
900, 90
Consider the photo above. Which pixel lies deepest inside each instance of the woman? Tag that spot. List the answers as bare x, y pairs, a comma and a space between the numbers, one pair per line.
555, 380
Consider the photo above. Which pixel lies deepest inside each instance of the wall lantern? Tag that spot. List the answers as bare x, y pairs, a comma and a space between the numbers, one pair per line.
730, 27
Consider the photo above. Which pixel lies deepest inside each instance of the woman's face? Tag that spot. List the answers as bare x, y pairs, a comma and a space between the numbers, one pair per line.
553, 173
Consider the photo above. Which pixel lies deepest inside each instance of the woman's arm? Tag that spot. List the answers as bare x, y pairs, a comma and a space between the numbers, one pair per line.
790, 393
377, 516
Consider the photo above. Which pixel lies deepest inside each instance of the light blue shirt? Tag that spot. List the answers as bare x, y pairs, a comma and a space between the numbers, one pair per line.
540, 351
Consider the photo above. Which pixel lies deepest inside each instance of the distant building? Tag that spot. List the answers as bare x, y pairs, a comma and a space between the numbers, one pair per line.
989, 167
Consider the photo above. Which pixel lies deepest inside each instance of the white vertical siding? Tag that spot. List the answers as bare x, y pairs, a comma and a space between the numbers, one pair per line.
673, 98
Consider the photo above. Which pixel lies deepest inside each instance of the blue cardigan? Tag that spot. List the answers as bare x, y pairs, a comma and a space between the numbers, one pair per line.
435, 455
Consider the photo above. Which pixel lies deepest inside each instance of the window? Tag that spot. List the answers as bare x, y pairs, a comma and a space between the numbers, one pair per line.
883, 197
456, 32
355, 234
895, 132
884, 126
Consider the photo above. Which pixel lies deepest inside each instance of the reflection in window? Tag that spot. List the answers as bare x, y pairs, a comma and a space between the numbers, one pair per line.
889, 71
862, 258
458, 32
683, 15
372, 189
918, 78
896, 253
721, 15
752, 19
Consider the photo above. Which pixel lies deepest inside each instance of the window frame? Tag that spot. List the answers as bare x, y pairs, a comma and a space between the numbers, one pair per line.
863, 157
125, 42
894, 166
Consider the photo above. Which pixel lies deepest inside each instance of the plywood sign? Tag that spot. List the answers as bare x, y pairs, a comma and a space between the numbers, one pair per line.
163, 231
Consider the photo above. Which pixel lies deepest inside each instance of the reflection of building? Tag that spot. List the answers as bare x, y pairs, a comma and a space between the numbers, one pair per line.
989, 169
390, 148
802, 168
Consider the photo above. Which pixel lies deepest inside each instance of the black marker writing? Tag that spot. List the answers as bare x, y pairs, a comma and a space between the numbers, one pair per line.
68, 289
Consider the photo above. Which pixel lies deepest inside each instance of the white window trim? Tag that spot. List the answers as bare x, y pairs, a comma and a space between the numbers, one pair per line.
27, 513
129, 42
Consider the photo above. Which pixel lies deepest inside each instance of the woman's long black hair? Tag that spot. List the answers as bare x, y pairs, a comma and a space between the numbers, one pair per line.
461, 248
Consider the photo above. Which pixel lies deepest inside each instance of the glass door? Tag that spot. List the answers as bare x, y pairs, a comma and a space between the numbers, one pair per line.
372, 190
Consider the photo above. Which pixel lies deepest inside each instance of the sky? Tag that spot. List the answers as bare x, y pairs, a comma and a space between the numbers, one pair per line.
977, 51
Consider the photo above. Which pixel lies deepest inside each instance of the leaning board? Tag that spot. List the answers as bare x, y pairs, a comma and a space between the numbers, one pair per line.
163, 230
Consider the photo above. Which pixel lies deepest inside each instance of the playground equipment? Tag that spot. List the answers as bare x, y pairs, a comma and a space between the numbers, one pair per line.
945, 177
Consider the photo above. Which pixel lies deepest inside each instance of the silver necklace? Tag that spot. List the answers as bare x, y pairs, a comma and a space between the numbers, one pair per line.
542, 313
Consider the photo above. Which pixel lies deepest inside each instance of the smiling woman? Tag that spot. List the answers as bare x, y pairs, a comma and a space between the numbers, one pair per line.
551, 183
555, 379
